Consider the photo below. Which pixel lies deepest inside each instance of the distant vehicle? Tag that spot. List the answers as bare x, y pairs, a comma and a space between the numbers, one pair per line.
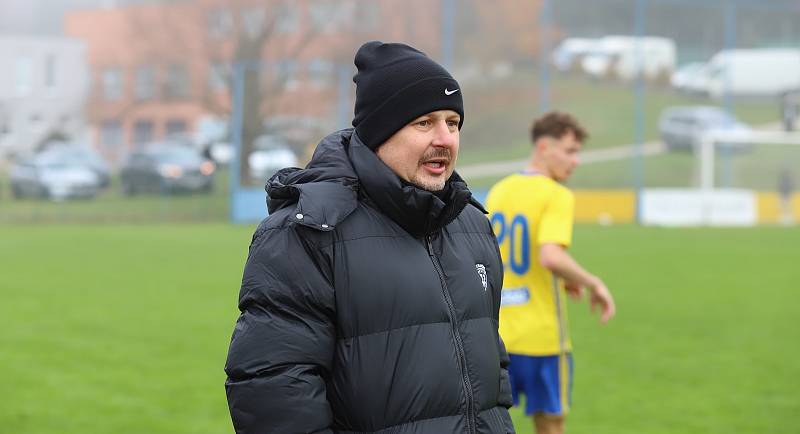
682, 128
271, 153
623, 57
691, 78
220, 152
166, 168
754, 72
790, 109
78, 155
568, 54
181, 139
47, 176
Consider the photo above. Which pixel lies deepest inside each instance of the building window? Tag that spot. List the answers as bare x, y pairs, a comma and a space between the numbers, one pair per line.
145, 83
112, 84
286, 74
111, 134
36, 122
320, 73
142, 132
177, 83
329, 16
23, 74
50, 72
220, 22
367, 16
253, 20
218, 76
287, 17
176, 127
5, 124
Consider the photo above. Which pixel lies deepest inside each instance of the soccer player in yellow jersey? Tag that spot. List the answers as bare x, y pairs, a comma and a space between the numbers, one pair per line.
532, 214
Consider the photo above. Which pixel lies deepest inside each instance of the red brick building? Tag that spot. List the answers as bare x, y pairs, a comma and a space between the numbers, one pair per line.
159, 69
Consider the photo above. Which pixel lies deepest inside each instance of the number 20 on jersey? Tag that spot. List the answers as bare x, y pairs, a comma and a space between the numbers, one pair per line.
513, 237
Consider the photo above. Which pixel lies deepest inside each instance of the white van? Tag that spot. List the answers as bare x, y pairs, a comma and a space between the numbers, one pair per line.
754, 72
619, 57
691, 78
569, 53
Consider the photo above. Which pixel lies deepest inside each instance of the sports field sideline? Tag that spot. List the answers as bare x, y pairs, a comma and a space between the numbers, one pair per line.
125, 329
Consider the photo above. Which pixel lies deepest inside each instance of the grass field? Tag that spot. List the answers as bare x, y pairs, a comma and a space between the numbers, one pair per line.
111, 206
124, 329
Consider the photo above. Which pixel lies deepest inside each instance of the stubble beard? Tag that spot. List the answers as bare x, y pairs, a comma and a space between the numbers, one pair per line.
438, 183
429, 185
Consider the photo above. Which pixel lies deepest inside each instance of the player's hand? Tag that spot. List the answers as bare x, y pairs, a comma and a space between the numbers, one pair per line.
574, 290
600, 298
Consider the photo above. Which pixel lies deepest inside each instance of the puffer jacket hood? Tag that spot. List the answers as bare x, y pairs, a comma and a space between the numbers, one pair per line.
327, 190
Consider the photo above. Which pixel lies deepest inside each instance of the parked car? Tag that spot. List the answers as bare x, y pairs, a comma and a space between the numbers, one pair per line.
166, 168
271, 153
220, 152
48, 176
77, 155
790, 109
691, 78
682, 128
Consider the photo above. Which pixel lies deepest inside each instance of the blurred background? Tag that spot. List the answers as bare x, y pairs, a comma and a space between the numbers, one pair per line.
136, 138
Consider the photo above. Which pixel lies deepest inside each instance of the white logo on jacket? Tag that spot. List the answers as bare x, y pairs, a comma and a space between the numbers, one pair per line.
481, 269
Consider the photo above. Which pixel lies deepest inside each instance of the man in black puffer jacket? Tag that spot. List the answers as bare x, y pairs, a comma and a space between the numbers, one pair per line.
371, 293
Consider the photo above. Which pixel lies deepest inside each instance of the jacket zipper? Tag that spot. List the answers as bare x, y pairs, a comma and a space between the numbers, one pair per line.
462, 359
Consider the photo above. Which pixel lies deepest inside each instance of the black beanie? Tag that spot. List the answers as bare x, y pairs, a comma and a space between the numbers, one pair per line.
395, 84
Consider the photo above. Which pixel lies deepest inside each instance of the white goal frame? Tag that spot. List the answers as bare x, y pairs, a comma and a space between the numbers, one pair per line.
710, 140
707, 205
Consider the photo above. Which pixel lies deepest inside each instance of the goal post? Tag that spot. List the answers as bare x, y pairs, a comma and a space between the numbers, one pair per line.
750, 145
711, 140
759, 168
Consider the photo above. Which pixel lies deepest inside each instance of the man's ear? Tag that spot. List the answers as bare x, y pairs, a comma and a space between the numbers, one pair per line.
541, 144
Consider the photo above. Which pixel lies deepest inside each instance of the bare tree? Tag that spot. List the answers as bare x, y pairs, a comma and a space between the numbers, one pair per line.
221, 36
500, 30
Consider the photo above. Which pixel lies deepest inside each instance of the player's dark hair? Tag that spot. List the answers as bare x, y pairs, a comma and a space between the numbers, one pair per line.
556, 124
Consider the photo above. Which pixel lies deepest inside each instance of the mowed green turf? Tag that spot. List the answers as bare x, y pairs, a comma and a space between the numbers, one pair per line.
125, 329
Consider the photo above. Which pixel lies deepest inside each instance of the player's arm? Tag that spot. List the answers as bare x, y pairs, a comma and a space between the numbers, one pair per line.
555, 235
555, 258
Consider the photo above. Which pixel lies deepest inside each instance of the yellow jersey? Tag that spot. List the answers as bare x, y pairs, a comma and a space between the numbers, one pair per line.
526, 211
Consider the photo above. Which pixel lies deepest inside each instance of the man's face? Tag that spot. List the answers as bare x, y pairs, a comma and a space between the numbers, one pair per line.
560, 156
424, 152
